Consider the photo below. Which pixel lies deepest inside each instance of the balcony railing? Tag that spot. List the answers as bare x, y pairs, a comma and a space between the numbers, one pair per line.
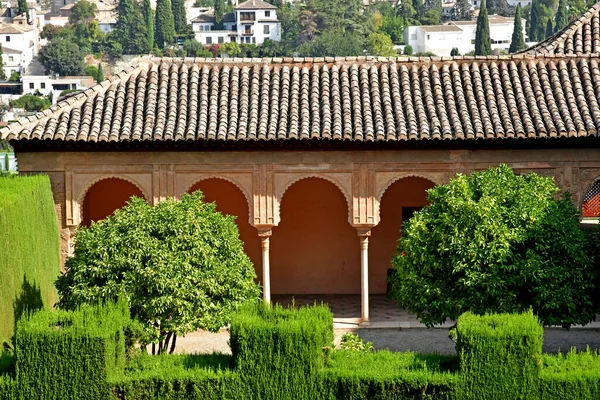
248, 33
247, 18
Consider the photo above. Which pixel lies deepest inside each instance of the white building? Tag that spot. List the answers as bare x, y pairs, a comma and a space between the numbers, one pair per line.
440, 39
46, 84
18, 37
253, 21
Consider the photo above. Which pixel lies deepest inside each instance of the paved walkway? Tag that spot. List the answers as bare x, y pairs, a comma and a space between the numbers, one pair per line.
390, 328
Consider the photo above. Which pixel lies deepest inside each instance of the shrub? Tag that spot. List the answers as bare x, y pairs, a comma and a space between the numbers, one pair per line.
180, 265
500, 356
31, 102
495, 242
352, 342
278, 351
69, 355
408, 50
570, 376
29, 250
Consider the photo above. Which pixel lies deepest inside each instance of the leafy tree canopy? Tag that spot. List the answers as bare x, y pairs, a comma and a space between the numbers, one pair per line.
380, 44
31, 102
495, 242
82, 12
180, 265
333, 44
62, 56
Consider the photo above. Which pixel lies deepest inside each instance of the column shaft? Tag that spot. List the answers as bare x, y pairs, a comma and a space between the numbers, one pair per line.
266, 269
364, 277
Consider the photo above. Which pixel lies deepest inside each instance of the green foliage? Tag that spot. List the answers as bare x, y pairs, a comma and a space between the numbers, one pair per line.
82, 12
431, 17
51, 31
549, 28
111, 45
2, 74
518, 42
454, 52
132, 28
62, 56
500, 356
387, 375
180, 264
219, 8
149, 19
31, 102
408, 50
164, 33
380, 44
483, 43
70, 354
562, 16
23, 8
495, 242
193, 48
541, 12
231, 48
280, 351
91, 70
570, 376
463, 11
353, 342
332, 44
31, 258
14, 77
100, 75
179, 17
393, 26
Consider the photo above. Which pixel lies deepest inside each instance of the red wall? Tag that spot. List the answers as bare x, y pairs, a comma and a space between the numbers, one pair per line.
314, 249
230, 200
407, 192
106, 196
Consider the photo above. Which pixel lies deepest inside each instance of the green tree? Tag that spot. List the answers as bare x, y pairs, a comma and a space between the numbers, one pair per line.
232, 49
100, 75
179, 17
82, 12
91, 70
149, 19
562, 16
492, 6
165, 25
393, 26
483, 44
31, 102
23, 8
61, 56
518, 42
417, 5
407, 11
180, 265
219, 14
454, 52
408, 50
495, 242
549, 28
380, 44
333, 44
462, 10
2, 74
541, 11
431, 17
132, 29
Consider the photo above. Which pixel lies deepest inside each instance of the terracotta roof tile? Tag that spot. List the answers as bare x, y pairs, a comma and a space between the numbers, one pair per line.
351, 99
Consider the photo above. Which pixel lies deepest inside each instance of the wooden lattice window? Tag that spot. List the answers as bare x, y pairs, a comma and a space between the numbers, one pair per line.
591, 202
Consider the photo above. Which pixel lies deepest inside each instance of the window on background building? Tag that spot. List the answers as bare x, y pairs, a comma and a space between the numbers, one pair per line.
220, 39
30, 85
253, 39
247, 40
11, 58
8, 38
266, 29
208, 40
43, 85
428, 37
267, 13
201, 28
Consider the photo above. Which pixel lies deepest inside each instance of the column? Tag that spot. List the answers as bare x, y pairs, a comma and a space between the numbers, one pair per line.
364, 275
265, 244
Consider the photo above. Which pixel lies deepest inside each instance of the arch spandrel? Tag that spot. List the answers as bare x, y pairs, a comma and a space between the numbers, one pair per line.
386, 179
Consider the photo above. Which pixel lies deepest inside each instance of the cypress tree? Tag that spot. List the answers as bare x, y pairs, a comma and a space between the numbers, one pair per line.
100, 76
533, 21
483, 46
517, 43
2, 74
131, 28
179, 17
219, 14
149, 19
562, 16
23, 8
549, 28
165, 24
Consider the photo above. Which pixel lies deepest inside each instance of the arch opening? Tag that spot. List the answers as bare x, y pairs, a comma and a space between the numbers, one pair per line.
398, 203
590, 209
314, 250
230, 200
105, 197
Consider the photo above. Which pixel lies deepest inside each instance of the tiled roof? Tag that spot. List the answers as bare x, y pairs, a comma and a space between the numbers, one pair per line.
204, 18
336, 99
440, 28
8, 50
14, 28
255, 5
581, 36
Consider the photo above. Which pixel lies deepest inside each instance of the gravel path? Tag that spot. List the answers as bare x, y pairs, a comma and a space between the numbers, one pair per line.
414, 339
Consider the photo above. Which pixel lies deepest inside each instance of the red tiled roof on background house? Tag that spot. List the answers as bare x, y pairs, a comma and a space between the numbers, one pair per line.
582, 36
343, 99
255, 5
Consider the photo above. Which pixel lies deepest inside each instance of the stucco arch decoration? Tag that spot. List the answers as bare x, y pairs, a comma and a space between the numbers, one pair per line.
435, 179
93, 180
330, 179
229, 179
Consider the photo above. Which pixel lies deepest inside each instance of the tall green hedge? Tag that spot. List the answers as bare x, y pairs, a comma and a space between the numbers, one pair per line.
279, 352
500, 356
29, 248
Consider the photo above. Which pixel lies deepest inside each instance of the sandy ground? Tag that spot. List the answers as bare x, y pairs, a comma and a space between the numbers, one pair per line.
414, 339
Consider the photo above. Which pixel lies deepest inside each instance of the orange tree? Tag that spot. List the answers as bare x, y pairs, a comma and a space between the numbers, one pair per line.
496, 242
180, 265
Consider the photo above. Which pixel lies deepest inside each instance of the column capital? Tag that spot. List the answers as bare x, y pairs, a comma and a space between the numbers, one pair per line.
363, 230
264, 231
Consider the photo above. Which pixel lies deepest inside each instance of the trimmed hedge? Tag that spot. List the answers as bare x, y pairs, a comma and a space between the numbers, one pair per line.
69, 355
279, 352
571, 376
29, 248
500, 356
386, 375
